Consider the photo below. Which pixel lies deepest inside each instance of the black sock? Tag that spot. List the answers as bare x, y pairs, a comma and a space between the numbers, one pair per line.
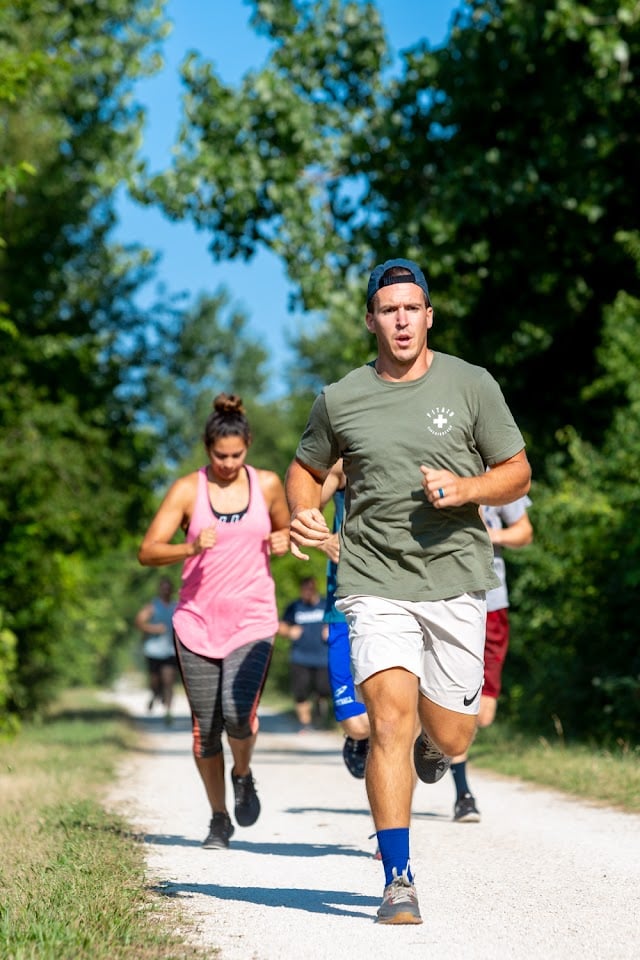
459, 771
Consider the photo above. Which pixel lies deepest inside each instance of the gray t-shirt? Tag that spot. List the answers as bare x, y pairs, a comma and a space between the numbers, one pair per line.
498, 517
394, 544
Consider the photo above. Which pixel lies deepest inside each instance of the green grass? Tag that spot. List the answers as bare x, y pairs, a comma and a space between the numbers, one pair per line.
72, 883
607, 777
72, 875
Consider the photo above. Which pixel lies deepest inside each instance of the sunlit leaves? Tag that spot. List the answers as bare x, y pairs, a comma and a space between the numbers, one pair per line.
70, 460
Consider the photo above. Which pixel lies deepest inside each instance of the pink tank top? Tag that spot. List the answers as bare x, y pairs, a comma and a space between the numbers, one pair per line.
228, 595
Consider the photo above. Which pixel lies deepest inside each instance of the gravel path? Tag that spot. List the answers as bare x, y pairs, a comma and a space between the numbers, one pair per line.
542, 876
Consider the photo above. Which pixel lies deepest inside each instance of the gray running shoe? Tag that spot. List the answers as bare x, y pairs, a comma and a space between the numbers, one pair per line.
465, 810
247, 806
354, 754
399, 902
220, 830
430, 763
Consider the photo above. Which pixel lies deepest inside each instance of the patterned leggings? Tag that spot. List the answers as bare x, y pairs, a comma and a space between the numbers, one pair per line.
224, 694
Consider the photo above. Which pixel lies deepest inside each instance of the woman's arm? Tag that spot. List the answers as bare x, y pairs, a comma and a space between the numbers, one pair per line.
273, 493
142, 621
156, 549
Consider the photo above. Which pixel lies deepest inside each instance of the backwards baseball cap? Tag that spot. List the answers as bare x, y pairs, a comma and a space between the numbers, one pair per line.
413, 275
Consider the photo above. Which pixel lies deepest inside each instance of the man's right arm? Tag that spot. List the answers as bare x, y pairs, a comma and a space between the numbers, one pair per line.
303, 486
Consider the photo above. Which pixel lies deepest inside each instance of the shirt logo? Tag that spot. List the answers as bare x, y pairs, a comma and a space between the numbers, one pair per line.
440, 421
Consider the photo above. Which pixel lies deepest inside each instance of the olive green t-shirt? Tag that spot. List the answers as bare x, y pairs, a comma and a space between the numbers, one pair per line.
394, 543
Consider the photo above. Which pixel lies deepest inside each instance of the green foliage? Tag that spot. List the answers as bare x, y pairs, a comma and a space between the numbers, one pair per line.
575, 658
196, 354
509, 171
276, 427
18, 71
505, 162
502, 161
292, 184
70, 461
8, 666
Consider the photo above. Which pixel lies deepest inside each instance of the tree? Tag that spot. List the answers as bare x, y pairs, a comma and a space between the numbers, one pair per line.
510, 168
192, 356
271, 164
505, 161
69, 483
575, 655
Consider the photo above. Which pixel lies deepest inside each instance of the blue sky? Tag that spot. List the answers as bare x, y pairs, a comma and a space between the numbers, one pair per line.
221, 32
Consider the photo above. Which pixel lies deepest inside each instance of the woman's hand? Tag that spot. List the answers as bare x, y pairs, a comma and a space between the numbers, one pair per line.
279, 542
205, 539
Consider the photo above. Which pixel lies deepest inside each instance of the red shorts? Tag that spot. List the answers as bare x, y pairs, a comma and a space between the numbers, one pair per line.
495, 651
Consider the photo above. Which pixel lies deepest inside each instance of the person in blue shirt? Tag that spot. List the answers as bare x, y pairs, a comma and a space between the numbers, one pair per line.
302, 623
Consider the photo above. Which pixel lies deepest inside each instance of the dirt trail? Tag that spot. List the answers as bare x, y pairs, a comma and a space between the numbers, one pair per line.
542, 876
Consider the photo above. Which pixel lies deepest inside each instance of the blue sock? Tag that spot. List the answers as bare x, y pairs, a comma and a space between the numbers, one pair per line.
394, 850
459, 771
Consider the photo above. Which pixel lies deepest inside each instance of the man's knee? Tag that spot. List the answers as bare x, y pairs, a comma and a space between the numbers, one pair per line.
391, 725
453, 734
453, 744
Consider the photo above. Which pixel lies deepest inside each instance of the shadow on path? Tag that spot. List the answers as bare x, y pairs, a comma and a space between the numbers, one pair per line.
311, 901
304, 850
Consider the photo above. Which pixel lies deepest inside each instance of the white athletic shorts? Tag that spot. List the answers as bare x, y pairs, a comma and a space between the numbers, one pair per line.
440, 641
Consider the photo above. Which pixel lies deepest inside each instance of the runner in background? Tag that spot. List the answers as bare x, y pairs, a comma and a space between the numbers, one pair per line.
154, 621
508, 526
302, 624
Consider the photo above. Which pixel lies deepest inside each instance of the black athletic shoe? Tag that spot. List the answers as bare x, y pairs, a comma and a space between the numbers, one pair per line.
247, 809
465, 810
220, 829
354, 753
430, 763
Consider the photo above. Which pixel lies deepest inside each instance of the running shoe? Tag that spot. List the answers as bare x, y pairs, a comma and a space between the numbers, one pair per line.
400, 901
220, 830
247, 806
430, 762
354, 753
465, 810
